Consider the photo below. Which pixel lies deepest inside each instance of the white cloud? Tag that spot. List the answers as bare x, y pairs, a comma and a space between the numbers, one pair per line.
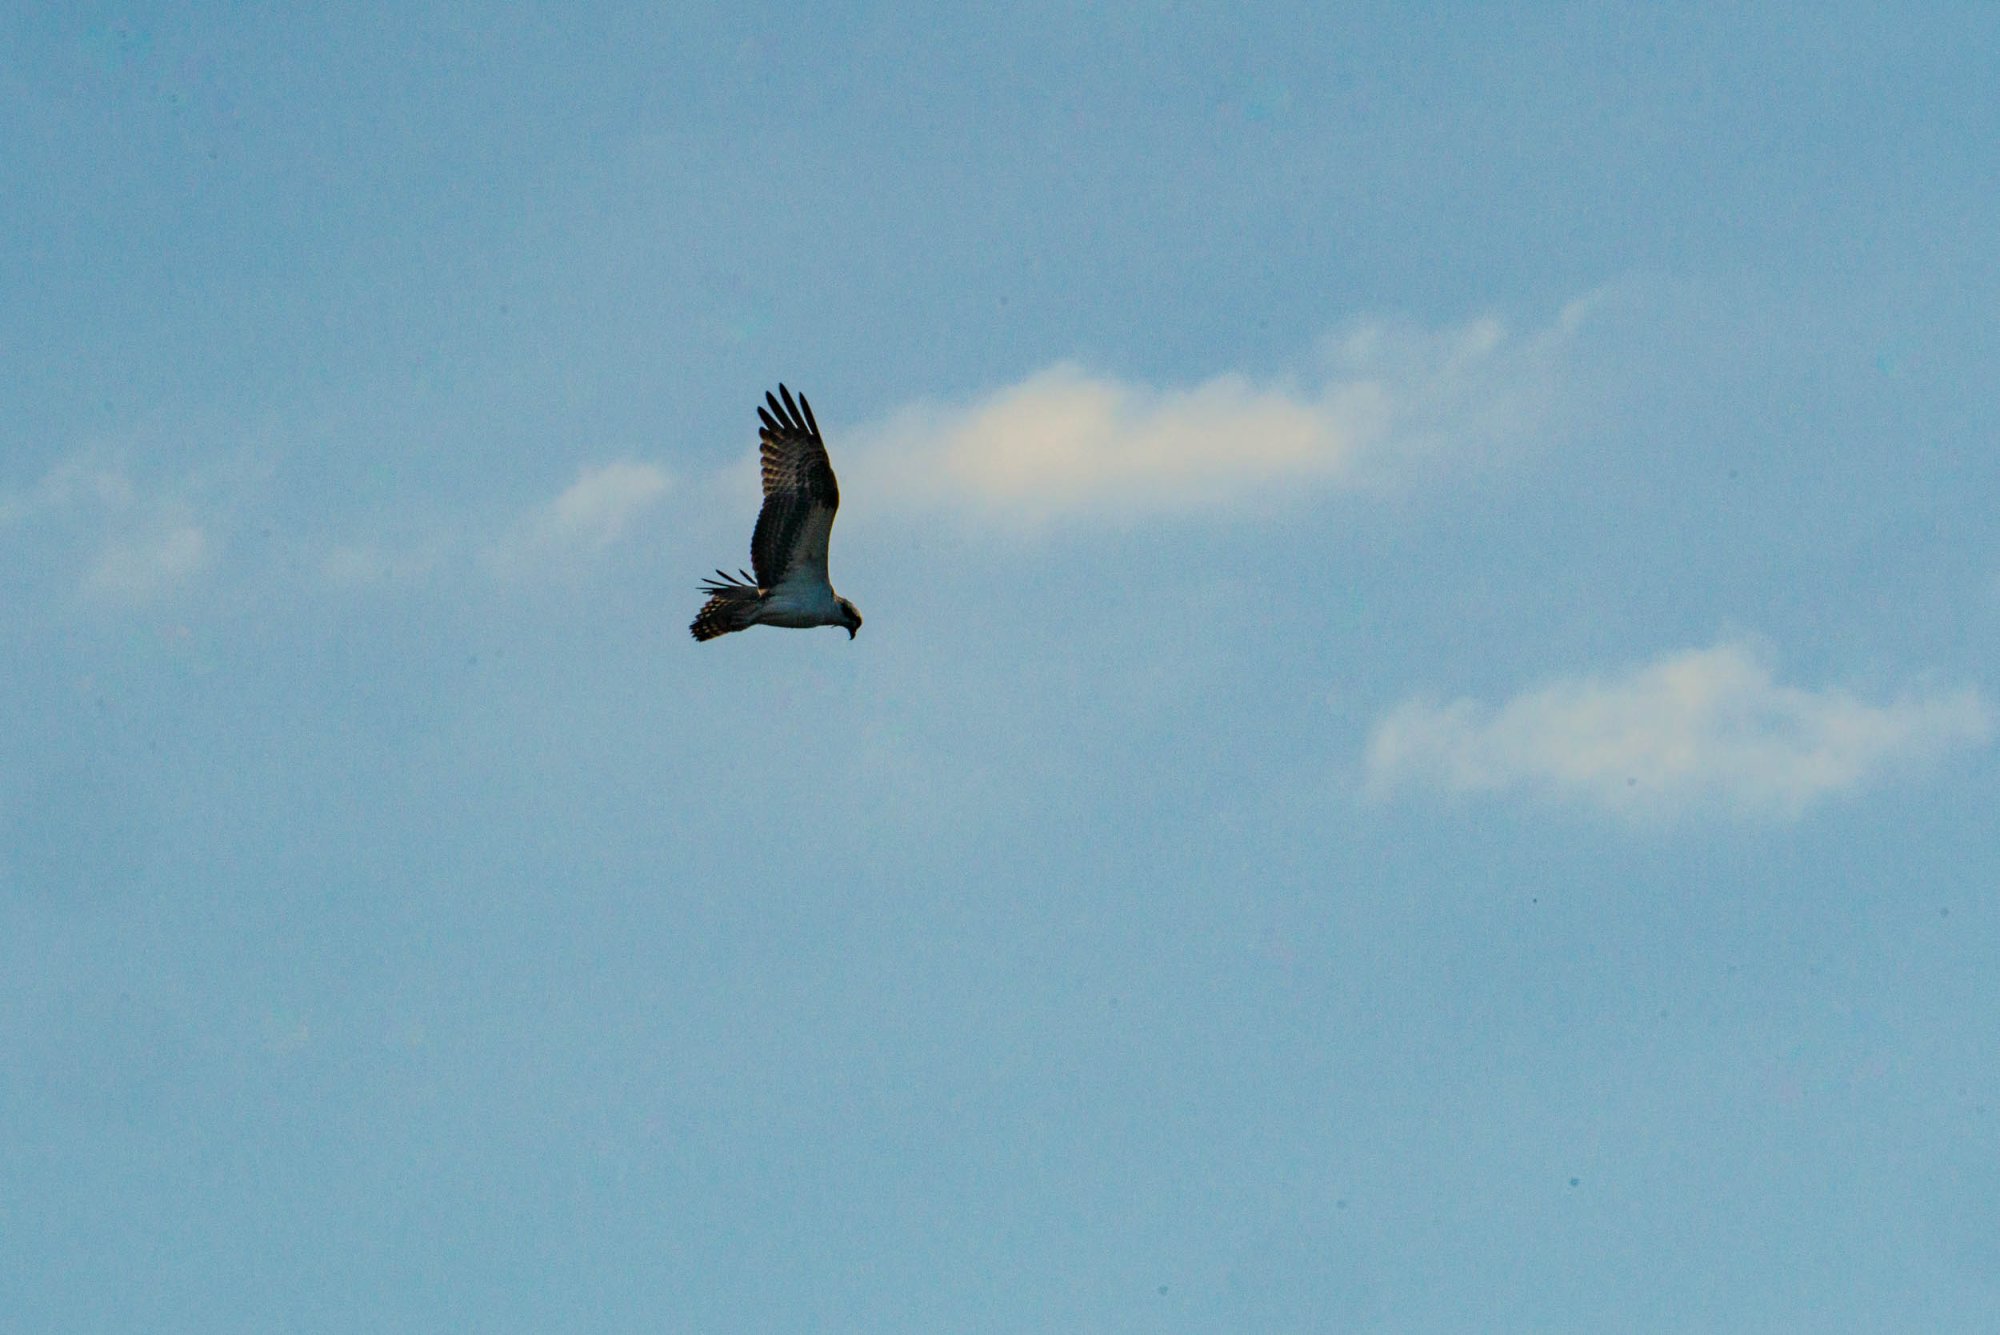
589, 516
1384, 404
75, 482
147, 565
142, 544
596, 508
1702, 728
584, 521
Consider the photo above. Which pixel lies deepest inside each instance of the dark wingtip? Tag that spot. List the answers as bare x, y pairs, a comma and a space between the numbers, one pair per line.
792, 416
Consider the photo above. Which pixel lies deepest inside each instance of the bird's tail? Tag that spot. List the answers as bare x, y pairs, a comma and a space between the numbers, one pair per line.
732, 605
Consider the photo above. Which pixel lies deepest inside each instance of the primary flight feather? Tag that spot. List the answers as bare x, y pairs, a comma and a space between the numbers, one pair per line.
788, 548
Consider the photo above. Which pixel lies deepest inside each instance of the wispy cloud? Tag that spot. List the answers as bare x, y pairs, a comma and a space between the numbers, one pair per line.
146, 565
1703, 728
596, 509
1383, 404
581, 523
129, 544
589, 516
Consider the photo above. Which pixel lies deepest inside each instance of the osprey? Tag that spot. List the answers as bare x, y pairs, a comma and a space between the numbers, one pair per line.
788, 549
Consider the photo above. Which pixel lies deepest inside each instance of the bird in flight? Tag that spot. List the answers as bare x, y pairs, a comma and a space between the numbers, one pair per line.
788, 549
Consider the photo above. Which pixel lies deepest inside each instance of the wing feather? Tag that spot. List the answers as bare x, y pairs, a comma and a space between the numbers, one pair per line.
800, 494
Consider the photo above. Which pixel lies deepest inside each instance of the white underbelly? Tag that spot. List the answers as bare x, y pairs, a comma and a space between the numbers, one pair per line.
813, 606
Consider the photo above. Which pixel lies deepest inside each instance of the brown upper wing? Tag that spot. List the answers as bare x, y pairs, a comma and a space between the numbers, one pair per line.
800, 495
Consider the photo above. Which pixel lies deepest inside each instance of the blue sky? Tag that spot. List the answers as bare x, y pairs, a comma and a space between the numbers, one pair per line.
1422, 755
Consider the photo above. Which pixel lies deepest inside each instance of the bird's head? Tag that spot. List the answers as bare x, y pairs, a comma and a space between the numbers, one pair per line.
850, 616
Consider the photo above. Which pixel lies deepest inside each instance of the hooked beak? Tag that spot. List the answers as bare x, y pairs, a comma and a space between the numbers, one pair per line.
851, 630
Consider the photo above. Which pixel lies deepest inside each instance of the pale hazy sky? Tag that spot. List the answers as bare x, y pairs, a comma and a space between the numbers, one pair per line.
1422, 756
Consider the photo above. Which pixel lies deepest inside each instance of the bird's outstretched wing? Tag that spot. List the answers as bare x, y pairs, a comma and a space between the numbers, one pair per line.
800, 495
